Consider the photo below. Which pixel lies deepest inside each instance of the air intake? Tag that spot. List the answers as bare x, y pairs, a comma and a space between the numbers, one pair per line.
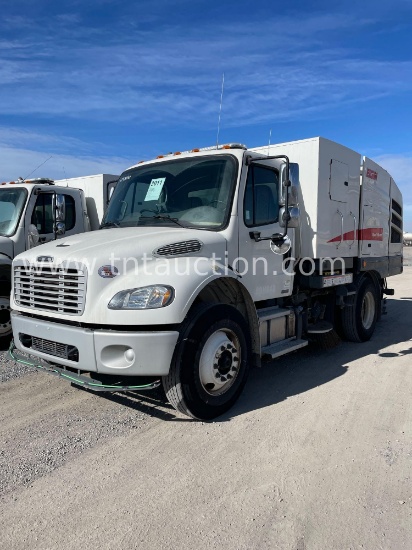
179, 249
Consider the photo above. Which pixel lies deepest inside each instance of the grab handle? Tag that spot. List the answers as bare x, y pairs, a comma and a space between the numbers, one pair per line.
354, 229
341, 228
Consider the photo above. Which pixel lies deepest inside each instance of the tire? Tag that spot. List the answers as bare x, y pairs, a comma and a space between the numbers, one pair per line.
210, 364
6, 332
359, 320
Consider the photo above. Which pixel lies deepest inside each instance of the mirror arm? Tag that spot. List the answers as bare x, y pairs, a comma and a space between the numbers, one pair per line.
276, 238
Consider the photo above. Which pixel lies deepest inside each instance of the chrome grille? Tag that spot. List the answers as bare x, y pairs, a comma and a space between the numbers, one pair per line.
176, 249
62, 290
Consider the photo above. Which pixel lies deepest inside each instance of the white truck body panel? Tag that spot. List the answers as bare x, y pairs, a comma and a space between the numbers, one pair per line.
96, 189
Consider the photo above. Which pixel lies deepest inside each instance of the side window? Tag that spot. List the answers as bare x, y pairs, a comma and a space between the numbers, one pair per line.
70, 212
261, 205
42, 216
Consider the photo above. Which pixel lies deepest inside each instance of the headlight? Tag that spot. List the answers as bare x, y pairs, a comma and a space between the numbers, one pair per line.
147, 297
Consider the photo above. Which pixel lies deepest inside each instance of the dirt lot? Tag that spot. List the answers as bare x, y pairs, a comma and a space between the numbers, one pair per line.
317, 454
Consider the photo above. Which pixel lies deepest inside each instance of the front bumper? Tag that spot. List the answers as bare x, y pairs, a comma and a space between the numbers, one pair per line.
103, 351
76, 378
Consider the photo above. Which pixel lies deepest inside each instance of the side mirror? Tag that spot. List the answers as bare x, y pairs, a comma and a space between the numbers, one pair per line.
59, 208
293, 217
281, 247
294, 185
33, 236
60, 228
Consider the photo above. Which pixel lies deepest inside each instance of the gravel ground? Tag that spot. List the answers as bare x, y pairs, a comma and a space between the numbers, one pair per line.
316, 454
10, 370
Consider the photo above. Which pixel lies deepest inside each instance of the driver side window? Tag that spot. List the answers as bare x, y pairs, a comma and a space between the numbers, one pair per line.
261, 204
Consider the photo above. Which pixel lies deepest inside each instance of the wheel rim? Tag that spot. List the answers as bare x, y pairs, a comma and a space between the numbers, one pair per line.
368, 310
5, 320
219, 362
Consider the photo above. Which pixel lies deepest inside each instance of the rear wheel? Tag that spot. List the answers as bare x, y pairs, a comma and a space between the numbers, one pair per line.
5, 322
210, 364
359, 320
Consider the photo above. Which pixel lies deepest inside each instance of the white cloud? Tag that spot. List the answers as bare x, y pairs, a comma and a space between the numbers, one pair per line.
279, 68
22, 162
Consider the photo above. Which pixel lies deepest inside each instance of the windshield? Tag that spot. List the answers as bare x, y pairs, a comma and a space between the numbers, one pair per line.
188, 192
11, 205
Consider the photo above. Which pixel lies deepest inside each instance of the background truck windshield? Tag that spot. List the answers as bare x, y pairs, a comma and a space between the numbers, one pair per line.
193, 192
11, 205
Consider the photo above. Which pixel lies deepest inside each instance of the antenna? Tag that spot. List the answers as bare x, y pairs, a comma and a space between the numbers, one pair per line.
39, 166
220, 111
64, 171
270, 135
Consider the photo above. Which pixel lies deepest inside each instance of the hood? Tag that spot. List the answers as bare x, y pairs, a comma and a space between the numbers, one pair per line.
107, 245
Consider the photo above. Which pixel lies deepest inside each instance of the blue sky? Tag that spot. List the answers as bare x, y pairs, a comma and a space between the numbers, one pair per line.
101, 85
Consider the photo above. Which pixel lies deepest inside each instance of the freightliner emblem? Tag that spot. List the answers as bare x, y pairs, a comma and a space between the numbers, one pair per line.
45, 258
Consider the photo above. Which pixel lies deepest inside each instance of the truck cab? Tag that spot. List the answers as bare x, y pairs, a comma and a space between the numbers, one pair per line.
33, 212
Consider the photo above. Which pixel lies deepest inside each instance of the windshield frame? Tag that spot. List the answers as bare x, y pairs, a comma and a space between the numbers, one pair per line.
153, 221
18, 218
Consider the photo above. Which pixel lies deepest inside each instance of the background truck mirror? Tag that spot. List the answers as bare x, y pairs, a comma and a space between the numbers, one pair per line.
60, 228
33, 236
59, 208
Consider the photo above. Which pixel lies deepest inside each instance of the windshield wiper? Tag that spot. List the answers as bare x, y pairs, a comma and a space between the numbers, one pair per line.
108, 224
164, 217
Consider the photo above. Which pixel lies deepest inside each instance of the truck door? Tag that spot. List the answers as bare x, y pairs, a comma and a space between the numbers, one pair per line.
40, 213
263, 272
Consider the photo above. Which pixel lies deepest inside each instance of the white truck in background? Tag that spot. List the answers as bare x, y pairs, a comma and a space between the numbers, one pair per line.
209, 261
40, 210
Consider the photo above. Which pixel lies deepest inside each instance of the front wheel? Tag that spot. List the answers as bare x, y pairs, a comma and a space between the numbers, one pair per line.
211, 362
359, 320
5, 322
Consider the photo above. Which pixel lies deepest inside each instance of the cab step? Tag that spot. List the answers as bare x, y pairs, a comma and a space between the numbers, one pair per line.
281, 348
269, 313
